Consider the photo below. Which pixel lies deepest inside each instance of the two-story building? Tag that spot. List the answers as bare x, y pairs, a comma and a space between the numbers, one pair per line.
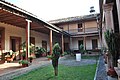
83, 30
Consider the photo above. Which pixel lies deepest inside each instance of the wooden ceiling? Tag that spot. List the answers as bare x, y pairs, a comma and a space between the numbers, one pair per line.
19, 21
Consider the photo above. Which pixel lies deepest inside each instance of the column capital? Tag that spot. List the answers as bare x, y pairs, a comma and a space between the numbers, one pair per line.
28, 20
108, 7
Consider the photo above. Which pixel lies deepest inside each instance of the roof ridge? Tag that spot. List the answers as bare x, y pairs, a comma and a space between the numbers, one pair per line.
74, 17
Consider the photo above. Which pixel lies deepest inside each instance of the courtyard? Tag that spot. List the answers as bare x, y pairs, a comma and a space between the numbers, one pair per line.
41, 69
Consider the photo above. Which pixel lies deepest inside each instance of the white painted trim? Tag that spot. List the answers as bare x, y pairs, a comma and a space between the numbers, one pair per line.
28, 26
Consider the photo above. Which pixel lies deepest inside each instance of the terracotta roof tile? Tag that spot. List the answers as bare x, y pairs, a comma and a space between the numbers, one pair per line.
76, 18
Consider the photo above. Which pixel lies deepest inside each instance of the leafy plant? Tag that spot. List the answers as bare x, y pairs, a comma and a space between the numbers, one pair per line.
65, 53
23, 62
110, 41
49, 56
55, 57
32, 49
113, 44
40, 50
30, 57
81, 49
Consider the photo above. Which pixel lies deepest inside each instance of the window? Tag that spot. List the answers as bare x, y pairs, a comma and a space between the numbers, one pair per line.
94, 44
80, 27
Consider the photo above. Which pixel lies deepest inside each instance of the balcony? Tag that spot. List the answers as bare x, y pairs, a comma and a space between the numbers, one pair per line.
83, 31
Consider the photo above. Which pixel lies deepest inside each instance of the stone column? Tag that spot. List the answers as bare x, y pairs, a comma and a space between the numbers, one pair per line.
84, 42
51, 42
108, 15
71, 43
118, 10
27, 38
108, 23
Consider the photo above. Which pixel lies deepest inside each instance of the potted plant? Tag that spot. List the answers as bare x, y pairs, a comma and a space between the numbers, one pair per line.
30, 59
32, 50
37, 52
31, 47
23, 55
24, 63
42, 51
112, 41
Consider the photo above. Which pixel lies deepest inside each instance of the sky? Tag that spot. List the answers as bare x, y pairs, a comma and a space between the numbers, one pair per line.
56, 9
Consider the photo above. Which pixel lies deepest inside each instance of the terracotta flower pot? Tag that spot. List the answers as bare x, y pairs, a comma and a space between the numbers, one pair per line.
111, 72
24, 65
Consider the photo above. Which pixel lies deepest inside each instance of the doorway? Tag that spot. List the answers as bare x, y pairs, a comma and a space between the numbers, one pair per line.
79, 43
66, 46
94, 44
2, 44
44, 45
15, 45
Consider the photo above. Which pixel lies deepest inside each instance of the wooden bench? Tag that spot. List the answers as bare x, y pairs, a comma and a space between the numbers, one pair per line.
9, 59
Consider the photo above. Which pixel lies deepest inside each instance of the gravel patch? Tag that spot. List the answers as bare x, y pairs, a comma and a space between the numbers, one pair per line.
77, 63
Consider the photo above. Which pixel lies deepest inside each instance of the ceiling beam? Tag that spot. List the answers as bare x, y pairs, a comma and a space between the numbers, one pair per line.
37, 27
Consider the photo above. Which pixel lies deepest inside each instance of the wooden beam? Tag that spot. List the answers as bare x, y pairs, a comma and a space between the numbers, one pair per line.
62, 44
27, 38
37, 27
50, 42
8, 15
12, 18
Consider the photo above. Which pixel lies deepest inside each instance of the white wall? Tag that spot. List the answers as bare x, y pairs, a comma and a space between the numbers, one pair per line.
11, 30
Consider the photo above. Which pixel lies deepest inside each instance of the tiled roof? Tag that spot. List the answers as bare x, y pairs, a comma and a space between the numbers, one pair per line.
12, 6
76, 18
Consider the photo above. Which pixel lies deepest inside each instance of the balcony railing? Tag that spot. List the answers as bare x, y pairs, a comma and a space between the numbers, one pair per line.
83, 31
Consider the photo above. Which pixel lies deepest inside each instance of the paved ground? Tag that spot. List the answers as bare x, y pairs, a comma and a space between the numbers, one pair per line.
11, 72
101, 70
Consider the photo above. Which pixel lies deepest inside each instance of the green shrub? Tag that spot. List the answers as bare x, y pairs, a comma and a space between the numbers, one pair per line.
23, 62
